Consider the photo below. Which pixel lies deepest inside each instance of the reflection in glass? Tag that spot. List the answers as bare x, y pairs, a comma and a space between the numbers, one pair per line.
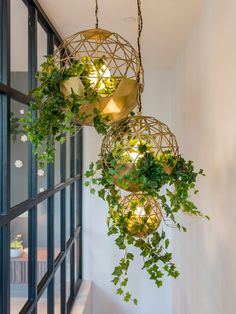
67, 213
57, 291
42, 304
19, 154
19, 262
68, 270
57, 224
77, 200
19, 46
42, 179
76, 259
42, 239
57, 163
67, 156
41, 45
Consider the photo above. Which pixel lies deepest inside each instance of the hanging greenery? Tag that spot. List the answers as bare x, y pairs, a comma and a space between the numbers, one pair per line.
171, 191
57, 102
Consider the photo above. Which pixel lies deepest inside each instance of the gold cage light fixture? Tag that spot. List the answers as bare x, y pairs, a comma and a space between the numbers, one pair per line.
114, 72
143, 214
129, 141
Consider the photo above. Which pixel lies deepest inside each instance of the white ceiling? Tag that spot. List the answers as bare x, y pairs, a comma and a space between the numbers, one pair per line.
167, 23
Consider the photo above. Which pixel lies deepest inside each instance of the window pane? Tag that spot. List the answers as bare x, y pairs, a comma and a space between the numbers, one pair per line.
57, 291
19, 154
42, 304
77, 259
19, 46
57, 224
67, 213
57, 162
42, 45
68, 270
78, 194
42, 175
67, 156
42, 239
19, 262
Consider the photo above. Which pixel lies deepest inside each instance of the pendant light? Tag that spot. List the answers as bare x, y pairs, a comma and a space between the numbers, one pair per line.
142, 214
114, 74
126, 141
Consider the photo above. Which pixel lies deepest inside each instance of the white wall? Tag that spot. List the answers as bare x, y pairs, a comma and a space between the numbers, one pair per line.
203, 116
100, 254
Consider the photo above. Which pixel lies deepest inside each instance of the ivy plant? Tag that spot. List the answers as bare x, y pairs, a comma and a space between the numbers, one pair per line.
52, 115
172, 191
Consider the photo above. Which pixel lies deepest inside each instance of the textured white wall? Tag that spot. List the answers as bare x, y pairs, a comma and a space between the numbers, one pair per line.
203, 116
100, 254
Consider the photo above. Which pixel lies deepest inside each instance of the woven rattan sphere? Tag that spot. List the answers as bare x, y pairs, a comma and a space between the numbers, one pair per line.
123, 147
143, 214
121, 64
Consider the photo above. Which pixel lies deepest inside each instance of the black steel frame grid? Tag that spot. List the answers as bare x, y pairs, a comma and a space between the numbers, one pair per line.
7, 214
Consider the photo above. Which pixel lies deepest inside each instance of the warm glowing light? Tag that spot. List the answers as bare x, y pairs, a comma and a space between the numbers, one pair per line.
96, 77
139, 211
134, 152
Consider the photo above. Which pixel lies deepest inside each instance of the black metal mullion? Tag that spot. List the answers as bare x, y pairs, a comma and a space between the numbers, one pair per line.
80, 186
32, 234
63, 230
50, 224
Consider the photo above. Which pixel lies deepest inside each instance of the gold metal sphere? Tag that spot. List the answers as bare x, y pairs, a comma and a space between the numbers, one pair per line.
122, 63
143, 214
122, 141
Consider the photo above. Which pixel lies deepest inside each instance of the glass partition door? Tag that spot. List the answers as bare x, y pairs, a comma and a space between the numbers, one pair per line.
40, 211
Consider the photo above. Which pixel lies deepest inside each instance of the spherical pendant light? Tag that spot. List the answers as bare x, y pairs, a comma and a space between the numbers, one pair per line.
113, 74
143, 214
133, 142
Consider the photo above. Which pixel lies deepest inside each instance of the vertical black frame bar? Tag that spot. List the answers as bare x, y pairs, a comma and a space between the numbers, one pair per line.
5, 160
32, 224
50, 216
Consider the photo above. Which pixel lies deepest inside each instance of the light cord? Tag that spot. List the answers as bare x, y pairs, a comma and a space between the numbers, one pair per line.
140, 64
96, 13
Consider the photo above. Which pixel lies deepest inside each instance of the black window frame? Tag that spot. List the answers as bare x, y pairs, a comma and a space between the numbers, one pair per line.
7, 214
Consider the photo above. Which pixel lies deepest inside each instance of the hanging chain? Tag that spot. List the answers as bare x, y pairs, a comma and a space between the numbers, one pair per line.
96, 13
140, 65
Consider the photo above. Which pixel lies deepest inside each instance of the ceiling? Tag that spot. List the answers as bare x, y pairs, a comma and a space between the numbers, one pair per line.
167, 23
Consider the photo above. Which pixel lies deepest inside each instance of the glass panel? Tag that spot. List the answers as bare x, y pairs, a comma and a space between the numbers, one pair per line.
77, 153
19, 154
67, 213
19, 46
57, 291
57, 162
42, 175
19, 262
42, 45
57, 224
42, 303
77, 257
77, 200
68, 270
67, 156
42, 239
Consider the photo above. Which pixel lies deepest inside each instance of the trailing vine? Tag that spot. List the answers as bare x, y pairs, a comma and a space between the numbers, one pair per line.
149, 172
52, 115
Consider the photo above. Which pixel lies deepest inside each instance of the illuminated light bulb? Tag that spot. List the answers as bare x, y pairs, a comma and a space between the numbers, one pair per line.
134, 152
139, 211
96, 77
111, 107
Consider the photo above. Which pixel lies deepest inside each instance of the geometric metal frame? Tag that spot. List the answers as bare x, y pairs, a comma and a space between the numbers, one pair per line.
7, 214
